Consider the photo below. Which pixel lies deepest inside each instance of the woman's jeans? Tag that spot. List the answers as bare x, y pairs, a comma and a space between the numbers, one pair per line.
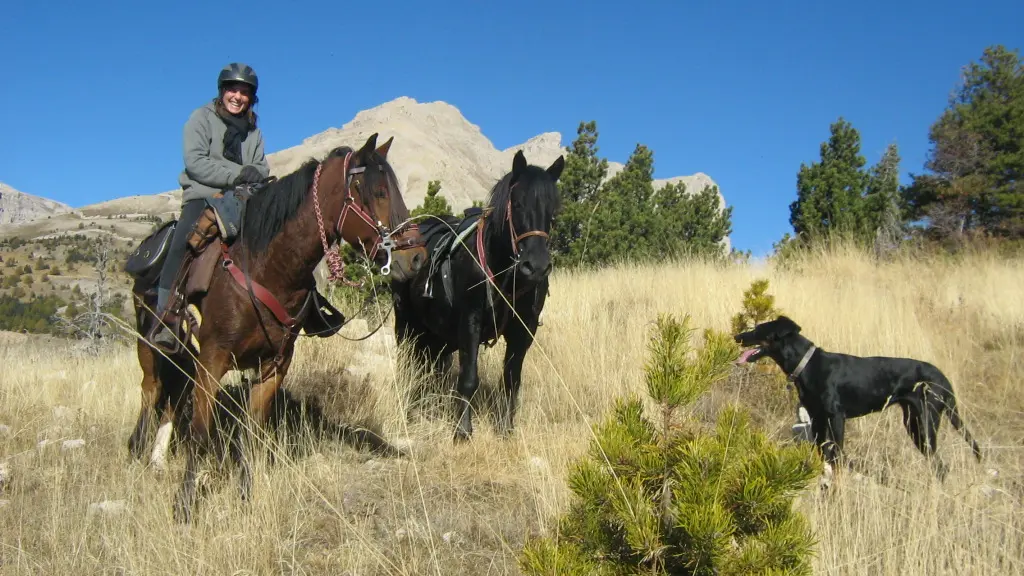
190, 212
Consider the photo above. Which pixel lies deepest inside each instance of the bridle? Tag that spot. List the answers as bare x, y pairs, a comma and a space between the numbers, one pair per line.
482, 255
388, 240
512, 235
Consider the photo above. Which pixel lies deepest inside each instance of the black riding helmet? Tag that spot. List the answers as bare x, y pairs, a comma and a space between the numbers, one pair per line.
238, 72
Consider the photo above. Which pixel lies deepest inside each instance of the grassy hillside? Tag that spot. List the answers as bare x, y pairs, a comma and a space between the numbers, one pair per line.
467, 509
56, 267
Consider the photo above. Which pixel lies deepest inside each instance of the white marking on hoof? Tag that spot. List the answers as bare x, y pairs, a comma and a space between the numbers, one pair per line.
163, 441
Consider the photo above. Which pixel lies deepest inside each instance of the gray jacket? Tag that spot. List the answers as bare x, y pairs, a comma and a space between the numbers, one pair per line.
206, 171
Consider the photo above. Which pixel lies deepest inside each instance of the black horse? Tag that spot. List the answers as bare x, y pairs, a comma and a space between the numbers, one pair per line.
481, 268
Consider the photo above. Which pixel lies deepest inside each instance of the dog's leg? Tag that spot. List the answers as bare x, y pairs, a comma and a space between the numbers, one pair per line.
838, 426
823, 442
923, 429
834, 434
933, 417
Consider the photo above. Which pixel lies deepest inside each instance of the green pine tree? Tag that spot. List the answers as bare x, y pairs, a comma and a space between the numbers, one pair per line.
689, 223
757, 306
883, 215
434, 204
830, 192
578, 186
623, 219
657, 494
976, 163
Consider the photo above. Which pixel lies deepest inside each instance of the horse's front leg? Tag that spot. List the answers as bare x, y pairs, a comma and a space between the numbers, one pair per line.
519, 335
212, 365
261, 403
469, 347
151, 392
518, 339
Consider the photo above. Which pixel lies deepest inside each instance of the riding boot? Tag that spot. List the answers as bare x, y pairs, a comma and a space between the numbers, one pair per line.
162, 336
162, 296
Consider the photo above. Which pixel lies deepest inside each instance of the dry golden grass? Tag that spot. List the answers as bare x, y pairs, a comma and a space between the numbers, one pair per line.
467, 509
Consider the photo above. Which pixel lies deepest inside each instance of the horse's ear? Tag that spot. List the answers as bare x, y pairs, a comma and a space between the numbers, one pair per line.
371, 143
383, 150
518, 165
555, 170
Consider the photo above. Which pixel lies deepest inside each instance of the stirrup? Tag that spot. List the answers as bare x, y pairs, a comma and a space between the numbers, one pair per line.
166, 322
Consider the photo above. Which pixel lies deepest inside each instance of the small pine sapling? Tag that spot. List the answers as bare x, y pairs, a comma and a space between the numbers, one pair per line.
661, 494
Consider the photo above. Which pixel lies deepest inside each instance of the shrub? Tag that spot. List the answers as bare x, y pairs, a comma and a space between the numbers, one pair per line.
757, 306
662, 495
769, 385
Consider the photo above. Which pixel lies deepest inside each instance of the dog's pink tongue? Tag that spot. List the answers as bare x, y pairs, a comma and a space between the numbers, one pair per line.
745, 355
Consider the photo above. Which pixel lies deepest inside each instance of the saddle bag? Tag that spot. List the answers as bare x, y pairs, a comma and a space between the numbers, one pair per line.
204, 231
145, 262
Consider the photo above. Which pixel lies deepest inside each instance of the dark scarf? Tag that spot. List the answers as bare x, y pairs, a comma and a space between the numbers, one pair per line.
237, 129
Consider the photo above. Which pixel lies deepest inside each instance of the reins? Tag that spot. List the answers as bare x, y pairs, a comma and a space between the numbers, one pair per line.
482, 255
336, 265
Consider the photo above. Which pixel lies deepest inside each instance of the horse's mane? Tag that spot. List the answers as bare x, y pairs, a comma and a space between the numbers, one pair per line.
497, 201
531, 183
270, 208
275, 204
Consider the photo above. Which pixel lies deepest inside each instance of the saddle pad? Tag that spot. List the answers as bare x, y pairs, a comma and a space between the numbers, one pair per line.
229, 209
434, 229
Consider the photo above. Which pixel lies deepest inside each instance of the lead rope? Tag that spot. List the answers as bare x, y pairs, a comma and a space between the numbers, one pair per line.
335, 265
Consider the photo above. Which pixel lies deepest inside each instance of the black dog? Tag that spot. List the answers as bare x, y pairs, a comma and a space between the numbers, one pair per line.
834, 387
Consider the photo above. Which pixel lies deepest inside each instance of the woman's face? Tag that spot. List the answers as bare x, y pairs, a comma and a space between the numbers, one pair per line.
237, 96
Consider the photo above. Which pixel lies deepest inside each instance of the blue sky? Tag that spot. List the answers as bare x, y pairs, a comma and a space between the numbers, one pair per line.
95, 94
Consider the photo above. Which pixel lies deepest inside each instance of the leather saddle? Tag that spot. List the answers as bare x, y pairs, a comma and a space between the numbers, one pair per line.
443, 235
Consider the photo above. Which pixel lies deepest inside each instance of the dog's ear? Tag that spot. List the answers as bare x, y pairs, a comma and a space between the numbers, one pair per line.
785, 327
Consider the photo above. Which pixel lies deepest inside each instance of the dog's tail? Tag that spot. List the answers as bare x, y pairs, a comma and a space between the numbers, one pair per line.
954, 419
957, 422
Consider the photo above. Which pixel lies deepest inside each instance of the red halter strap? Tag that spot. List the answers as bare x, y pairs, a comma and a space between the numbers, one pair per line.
334, 262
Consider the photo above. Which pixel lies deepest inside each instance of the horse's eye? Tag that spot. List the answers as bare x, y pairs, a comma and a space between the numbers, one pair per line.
382, 192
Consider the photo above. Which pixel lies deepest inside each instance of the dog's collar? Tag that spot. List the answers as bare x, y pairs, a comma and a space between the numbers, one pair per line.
803, 363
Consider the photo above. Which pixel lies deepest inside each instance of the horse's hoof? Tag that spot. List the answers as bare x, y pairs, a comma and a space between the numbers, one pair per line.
159, 468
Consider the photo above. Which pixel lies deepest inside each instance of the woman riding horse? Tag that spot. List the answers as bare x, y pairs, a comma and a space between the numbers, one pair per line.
223, 148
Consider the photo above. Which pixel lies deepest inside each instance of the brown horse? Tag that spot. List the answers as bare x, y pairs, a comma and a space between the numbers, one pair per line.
259, 294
